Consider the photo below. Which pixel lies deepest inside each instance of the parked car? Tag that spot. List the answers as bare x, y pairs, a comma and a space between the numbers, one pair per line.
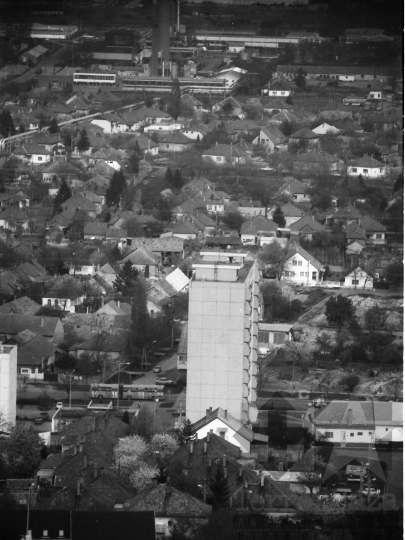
157, 369
163, 380
39, 420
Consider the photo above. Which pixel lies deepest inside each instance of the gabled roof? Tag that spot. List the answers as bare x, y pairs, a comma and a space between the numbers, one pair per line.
371, 225
157, 245
225, 150
304, 133
273, 133
185, 227
14, 324
308, 222
298, 249
258, 224
367, 162
33, 348
227, 419
289, 210
165, 500
101, 342
348, 212
174, 138
294, 187
96, 228
21, 306
355, 232
142, 256
28, 149
276, 104
365, 413
315, 157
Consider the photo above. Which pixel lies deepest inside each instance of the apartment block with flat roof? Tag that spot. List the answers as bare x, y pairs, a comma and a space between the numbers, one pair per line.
222, 337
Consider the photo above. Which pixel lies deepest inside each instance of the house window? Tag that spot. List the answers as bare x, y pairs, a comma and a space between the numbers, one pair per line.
33, 370
56, 302
279, 337
355, 281
49, 302
301, 274
351, 434
24, 371
221, 433
218, 158
295, 263
329, 434
39, 158
282, 93
167, 146
378, 235
263, 337
354, 169
365, 171
359, 433
299, 263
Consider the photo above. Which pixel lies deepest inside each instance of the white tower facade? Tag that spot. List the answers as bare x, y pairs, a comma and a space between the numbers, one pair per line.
8, 383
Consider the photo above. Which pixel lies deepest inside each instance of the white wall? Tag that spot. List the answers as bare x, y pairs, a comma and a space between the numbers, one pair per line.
8, 382
303, 271
374, 172
218, 426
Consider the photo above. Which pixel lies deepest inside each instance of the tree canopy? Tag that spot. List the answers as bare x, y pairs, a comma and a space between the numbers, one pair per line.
126, 279
63, 195
275, 256
278, 217
22, 451
83, 143
115, 188
174, 107
339, 310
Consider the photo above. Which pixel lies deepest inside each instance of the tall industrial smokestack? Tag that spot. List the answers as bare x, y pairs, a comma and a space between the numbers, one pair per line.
161, 36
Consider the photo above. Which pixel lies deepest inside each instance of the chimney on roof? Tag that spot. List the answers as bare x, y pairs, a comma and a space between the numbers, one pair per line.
349, 417
119, 303
226, 414
208, 437
261, 478
42, 321
205, 448
191, 447
240, 471
224, 461
208, 412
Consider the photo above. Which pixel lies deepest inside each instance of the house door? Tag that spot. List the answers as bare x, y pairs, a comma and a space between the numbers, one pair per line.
343, 437
314, 276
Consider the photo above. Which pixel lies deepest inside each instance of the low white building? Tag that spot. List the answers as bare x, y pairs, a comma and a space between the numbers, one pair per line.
163, 128
325, 128
358, 279
221, 423
273, 335
302, 269
368, 167
358, 422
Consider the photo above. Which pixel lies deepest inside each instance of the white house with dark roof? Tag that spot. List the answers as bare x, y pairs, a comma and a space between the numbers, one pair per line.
374, 231
144, 260
223, 424
174, 142
291, 214
221, 154
306, 227
358, 422
301, 268
358, 279
325, 128
273, 335
270, 137
278, 88
296, 190
368, 167
33, 153
258, 231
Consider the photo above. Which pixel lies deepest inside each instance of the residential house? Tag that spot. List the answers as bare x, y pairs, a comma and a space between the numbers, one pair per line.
278, 88
65, 294
35, 354
374, 231
216, 202
343, 216
79, 202
144, 260
164, 127
358, 279
251, 208
273, 335
197, 132
82, 266
186, 230
271, 138
11, 218
231, 76
190, 101
391, 119
115, 308
145, 145
48, 140
225, 153
258, 231
347, 124
153, 116
313, 162
243, 127
306, 227
110, 123
77, 104
168, 248
60, 111
275, 106
204, 223
355, 233
296, 190
358, 422
60, 169
367, 35
368, 167
103, 345
326, 129
174, 142
49, 327
229, 107
169, 505
221, 423
107, 273
301, 268
95, 230
305, 135
20, 306
223, 243
33, 153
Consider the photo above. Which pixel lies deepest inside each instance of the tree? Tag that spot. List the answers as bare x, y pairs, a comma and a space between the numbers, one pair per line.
115, 188
142, 478
65, 381
126, 279
395, 273
163, 443
339, 310
299, 79
63, 195
350, 382
278, 217
125, 417
134, 228
174, 107
83, 143
53, 126
324, 342
6, 123
374, 318
312, 475
275, 256
22, 451
169, 177
142, 424
133, 162
128, 454
186, 433
178, 181
233, 219
219, 488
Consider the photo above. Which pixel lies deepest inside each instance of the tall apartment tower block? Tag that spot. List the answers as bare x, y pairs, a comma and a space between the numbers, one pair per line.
223, 336
8, 383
